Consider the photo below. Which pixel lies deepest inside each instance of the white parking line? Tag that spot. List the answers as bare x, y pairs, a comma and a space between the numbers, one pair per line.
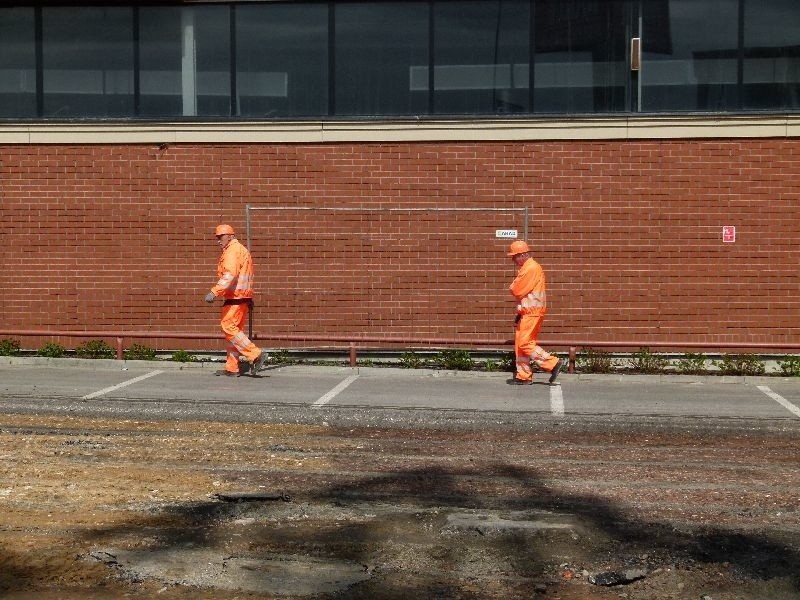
556, 401
780, 400
121, 385
334, 392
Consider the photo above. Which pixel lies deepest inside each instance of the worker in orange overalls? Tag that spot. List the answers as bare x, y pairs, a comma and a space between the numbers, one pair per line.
235, 286
529, 289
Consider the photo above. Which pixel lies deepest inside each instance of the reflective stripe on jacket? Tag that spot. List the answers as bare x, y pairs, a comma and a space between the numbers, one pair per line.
235, 272
529, 289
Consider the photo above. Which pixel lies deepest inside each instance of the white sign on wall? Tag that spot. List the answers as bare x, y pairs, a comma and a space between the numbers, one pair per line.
506, 234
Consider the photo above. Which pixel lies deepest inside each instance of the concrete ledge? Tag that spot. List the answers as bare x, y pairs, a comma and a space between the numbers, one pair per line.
624, 127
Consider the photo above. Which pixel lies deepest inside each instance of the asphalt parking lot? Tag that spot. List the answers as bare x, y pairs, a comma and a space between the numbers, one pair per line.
309, 393
401, 483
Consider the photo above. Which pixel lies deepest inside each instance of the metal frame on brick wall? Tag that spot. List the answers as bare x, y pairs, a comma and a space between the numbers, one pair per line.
249, 207
523, 210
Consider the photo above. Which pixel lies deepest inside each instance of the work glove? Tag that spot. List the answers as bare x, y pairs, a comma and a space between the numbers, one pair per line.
517, 319
210, 297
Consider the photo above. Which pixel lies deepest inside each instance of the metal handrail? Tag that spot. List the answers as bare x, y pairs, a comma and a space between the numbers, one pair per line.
354, 341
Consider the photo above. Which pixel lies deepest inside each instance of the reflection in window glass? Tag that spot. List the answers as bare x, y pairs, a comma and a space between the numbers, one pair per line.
184, 57
379, 48
88, 62
160, 81
771, 54
282, 60
212, 39
488, 57
481, 57
696, 67
580, 64
17, 63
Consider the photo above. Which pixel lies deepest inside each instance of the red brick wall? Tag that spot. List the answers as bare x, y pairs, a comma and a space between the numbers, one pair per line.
629, 234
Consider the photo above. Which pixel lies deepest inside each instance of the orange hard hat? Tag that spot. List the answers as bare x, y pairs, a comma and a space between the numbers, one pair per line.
518, 247
224, 229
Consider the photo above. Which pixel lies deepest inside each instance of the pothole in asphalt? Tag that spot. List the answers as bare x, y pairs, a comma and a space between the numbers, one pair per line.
206, 568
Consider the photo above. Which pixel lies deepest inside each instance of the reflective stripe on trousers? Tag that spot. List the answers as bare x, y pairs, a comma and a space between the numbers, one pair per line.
232, 323
526, 349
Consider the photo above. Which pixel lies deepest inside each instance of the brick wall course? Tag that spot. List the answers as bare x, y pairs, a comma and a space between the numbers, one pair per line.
629, 233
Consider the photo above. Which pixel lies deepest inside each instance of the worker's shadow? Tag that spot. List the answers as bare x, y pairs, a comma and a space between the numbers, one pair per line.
246, 370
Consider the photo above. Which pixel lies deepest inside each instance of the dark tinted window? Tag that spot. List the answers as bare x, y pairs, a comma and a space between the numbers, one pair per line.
689, 59
581, 56
282, 60
88, 62
17, 63
184, 56
381, 58
273, 59
481, 57
160, 51
771, 73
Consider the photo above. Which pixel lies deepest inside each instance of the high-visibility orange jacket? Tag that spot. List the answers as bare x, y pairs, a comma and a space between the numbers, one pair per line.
529, 289
235, 272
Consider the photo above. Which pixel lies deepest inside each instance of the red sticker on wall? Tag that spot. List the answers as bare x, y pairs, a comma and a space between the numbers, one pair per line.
729, 233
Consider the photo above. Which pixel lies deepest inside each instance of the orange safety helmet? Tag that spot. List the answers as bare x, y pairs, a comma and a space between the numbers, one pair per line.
223, 230
518, 247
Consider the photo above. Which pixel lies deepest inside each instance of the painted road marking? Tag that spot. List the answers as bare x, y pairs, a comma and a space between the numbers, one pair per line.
556, 401
334, 392
780, 400
121, 385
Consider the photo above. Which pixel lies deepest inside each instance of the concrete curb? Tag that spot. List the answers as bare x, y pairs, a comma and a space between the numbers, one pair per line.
168, 365
104, 364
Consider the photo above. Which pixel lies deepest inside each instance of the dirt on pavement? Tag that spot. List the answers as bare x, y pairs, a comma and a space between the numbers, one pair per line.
99, 508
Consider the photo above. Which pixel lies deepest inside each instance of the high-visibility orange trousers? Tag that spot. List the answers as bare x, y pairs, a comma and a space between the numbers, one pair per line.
232, 322
526, 350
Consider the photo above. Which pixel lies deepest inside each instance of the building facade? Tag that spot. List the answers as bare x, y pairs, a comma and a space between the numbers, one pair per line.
377, 156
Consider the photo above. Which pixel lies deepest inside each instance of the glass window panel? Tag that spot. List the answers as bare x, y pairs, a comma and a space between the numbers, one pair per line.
771, 54
160, 43
689, 55
580, 63
184, 57
88, 61
282, 60
212, 35
17, 63
378, 48
481, 57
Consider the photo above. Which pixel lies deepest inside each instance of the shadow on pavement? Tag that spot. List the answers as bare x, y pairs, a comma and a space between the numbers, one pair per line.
409, 510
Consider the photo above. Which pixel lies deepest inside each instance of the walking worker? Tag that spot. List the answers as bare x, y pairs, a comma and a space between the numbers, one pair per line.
235, 286
529, 289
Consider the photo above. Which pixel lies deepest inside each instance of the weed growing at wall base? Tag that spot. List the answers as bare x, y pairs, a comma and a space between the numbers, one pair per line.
595, 361
645, 361
740, 364
183, 356
412, 360
140, 352
9, 347
95, 349
52, 350
692, 364
506, 363
790, 366
454, 360
279, 357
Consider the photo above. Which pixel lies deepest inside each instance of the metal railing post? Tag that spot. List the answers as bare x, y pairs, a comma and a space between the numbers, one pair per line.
352, 354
